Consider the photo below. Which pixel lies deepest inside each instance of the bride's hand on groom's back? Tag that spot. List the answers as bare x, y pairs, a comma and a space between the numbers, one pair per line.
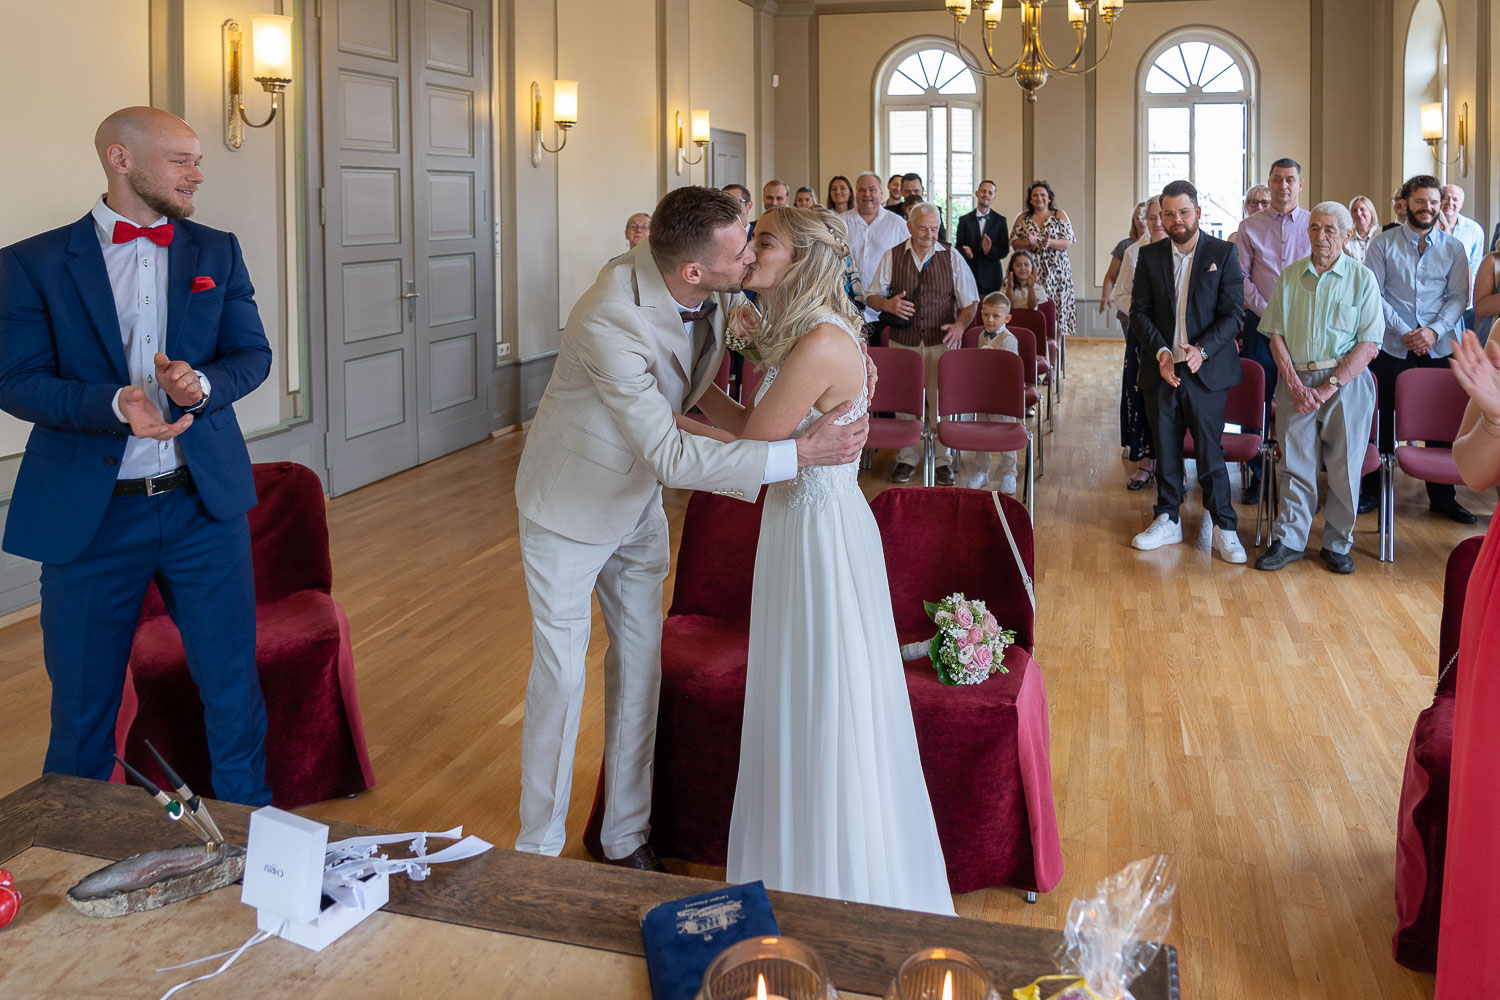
830, 443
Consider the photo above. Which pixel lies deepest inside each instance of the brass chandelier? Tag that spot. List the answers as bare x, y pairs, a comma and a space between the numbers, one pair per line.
1032, 66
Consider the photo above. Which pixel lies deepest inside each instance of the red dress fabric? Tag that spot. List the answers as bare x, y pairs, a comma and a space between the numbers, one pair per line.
1422, 814
1469, 953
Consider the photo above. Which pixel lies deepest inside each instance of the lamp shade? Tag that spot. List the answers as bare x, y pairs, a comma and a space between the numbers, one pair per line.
992, 14
565, 102
700, 125
271, 47
1111, 6
958, 8
1075, 12
1432, 121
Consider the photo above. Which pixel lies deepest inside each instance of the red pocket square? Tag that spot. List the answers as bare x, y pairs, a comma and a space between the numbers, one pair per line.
202, 283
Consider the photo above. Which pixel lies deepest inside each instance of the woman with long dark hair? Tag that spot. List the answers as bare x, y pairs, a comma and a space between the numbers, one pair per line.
840, 195
1044, 229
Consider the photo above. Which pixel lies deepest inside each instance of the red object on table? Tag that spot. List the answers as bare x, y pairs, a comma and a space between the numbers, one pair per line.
984, 748
10, 897
315, 744
1468, 963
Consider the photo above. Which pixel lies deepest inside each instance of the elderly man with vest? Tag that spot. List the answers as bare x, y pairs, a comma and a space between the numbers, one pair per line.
927, 298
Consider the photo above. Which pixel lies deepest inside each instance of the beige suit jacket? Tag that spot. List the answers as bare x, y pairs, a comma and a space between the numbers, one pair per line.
604, 439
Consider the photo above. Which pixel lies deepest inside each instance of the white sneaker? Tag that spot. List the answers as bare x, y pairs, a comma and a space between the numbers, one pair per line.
1008, 485
1227, 545
1162, 531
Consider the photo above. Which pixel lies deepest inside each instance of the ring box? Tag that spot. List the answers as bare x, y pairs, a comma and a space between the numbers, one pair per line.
284, 881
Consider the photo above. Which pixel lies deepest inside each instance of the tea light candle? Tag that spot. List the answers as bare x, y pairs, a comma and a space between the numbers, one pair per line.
766, 968
760, 991
941, 974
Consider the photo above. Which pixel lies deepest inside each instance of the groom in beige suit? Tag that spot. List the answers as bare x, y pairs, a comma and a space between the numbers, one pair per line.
641, 346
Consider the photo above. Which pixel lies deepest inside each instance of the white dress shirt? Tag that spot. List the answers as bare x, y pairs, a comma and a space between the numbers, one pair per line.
1182, 272
138, 278
965, 291
1471, 235
868, 242
781, 456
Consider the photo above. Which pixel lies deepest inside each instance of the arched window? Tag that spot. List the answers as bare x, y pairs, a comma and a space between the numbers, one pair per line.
928, 114
1426, 80
1197, 90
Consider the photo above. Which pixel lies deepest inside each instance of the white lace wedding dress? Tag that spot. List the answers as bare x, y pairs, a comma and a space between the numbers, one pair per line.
830, 800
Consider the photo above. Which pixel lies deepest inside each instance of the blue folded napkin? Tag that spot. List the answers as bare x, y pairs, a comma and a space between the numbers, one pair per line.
683, 936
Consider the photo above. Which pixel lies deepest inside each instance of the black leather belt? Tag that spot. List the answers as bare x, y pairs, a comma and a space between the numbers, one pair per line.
152, 485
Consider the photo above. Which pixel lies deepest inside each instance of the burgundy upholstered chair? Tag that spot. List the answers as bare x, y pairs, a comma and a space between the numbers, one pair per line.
1246, 406
984, 748
1429, 407
976, 381
315, 744
1422, 814
899, 389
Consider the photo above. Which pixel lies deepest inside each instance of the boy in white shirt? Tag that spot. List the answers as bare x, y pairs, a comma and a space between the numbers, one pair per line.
994, 311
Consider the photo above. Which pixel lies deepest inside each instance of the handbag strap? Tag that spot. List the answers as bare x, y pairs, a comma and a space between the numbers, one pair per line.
1015, 550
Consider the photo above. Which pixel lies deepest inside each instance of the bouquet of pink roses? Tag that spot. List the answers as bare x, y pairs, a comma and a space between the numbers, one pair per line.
741, 331
969, 641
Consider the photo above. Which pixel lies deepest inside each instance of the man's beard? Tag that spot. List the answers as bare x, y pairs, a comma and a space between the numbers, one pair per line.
1185, 237
157, 199
1418, 225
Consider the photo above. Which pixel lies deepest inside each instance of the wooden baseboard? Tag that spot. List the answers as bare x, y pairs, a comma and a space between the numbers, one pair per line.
21, 614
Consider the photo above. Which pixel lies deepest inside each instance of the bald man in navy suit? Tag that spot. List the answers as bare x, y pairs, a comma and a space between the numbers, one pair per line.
125, 339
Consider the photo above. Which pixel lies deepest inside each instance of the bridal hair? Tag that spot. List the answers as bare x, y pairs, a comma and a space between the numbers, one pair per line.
813, 286
684, 223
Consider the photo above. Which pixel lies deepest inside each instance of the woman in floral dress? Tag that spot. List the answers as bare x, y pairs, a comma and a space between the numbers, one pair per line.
1044, 229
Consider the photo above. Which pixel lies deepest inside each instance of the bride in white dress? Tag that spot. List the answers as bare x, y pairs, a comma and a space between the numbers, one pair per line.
831, 799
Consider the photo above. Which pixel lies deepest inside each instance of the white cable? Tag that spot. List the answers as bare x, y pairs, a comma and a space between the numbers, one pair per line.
255, 938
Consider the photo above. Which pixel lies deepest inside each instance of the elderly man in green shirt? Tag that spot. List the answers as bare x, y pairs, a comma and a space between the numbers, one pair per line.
1325, 323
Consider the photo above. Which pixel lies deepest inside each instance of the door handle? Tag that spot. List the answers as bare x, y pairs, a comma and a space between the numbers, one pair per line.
411, 297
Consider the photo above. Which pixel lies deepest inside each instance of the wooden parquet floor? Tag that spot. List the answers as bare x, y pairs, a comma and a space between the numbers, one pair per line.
1254, 725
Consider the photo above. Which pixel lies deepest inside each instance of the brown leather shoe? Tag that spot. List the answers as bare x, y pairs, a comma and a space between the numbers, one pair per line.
903, 472
944, 475
642, 858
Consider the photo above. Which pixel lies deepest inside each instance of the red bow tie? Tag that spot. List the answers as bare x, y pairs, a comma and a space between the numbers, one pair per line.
160, 235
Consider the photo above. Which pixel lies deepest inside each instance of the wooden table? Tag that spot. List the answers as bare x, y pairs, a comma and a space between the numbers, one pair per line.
502, 924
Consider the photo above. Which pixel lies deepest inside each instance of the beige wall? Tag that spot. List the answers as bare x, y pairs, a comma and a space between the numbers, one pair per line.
51, 176
851, 47
723, 76
608, 169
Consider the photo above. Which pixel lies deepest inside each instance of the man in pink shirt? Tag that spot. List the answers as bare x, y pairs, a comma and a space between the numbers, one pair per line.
1268, 241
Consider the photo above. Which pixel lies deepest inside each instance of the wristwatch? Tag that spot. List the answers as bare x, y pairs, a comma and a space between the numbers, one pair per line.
1333, 380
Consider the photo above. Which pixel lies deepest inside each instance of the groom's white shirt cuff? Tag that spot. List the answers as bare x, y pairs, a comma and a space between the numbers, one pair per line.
781, 461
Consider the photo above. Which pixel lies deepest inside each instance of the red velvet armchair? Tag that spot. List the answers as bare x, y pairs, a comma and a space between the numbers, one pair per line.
315, 744
1422, 814
984, 748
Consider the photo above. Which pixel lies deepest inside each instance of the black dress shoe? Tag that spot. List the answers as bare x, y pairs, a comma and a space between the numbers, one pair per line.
903, 472
944, 476
1139, 484
1453, 512
1338, 562
642, 858
1251, 496
1368, 502
1277, 556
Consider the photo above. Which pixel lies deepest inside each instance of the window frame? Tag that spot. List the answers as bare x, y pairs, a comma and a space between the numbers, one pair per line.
1248, 96
884, 103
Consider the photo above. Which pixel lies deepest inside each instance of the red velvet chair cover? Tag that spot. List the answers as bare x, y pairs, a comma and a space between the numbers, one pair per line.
984, 748
1429, 407
315, 744
1422, 814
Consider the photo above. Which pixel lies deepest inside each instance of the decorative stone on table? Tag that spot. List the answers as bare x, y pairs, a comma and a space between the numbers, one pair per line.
152, 880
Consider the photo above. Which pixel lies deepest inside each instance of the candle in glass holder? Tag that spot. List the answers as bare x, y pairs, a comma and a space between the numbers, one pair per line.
941, 974
765, 968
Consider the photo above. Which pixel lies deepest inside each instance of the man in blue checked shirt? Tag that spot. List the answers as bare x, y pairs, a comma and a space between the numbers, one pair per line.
1423, 274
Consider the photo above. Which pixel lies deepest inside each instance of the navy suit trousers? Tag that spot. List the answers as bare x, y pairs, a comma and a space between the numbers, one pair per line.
90, 607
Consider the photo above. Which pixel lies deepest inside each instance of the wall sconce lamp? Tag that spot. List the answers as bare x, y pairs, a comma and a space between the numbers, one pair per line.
271, 47
564, 115
699, 138
1432, 134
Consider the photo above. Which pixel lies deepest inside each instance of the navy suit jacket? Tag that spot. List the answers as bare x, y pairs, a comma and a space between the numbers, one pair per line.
62, 359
